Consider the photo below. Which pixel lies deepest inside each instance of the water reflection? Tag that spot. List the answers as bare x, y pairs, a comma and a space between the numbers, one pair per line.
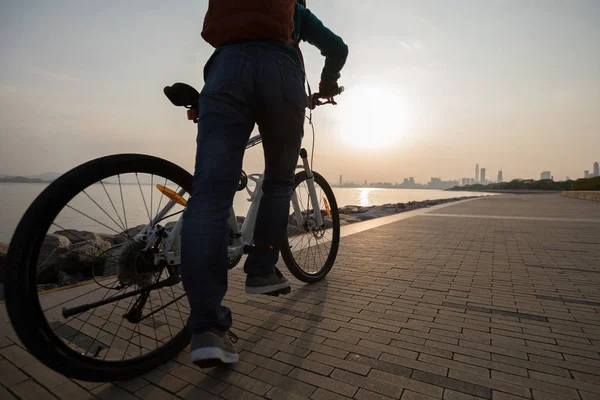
364, 196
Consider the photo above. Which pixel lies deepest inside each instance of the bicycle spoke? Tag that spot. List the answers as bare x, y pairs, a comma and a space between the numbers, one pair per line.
93, 219
143, 198
100, 207
162, 194
123, 202
111, 202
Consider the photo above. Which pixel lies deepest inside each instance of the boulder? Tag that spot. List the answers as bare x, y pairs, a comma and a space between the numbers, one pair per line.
347, 219
3, 251
83, 257
51, 243
76, 236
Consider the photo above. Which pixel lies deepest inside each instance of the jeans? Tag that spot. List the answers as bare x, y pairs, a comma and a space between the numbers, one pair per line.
244, 85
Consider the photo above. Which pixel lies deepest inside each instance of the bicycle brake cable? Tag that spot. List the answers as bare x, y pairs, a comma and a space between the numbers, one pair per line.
312, 125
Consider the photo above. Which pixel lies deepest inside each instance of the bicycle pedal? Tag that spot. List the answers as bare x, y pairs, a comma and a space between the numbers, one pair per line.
276, 293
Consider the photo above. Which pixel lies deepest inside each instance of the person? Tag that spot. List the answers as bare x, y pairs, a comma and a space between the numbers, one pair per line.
249, 80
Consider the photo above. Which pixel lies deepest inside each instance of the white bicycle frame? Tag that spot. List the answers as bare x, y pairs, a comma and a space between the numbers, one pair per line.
242, 242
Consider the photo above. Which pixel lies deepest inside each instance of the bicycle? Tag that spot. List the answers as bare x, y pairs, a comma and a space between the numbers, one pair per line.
135, 319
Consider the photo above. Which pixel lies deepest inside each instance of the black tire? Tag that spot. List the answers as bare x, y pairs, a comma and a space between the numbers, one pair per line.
325, 263
22, 300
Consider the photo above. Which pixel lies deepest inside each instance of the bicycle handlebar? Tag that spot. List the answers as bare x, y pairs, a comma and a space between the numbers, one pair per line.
315, 101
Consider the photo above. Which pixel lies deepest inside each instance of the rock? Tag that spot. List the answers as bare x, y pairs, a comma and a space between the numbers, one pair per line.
51, 243
3, 251
65, 279
76, 236
82, 257
347, 219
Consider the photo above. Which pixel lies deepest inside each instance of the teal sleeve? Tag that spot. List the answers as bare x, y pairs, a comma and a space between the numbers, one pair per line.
332, 47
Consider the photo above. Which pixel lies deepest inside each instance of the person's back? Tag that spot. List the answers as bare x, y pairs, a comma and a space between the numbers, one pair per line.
255, 76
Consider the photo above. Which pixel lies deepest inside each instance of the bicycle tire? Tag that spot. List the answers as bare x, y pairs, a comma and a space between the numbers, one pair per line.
22, 302
286, 252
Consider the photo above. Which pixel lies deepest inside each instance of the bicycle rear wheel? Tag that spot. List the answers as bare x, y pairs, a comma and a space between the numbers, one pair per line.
57, 261
309, 251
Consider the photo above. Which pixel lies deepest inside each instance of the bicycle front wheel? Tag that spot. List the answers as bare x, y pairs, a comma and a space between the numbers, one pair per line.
308, 250
84, 296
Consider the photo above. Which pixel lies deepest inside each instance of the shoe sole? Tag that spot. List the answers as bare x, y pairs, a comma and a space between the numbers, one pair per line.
207, 357
280, 287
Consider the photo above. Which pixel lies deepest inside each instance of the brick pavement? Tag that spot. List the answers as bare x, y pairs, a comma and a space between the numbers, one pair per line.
459, 304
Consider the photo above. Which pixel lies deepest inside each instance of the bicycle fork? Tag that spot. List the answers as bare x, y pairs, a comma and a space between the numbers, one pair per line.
310, 182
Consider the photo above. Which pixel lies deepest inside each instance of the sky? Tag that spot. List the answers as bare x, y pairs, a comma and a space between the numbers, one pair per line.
432, 86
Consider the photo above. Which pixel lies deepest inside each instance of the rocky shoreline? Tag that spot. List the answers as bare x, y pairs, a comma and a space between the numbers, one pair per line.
73, 256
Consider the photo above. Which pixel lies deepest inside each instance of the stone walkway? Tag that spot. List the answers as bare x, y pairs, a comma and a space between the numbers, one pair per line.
497, 298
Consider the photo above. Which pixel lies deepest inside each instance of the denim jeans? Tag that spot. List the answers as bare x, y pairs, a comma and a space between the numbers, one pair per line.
244, 85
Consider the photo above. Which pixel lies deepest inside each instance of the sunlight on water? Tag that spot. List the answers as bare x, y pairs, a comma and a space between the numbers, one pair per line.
364, 196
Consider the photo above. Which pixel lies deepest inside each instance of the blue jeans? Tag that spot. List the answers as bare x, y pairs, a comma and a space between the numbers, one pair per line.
244, 85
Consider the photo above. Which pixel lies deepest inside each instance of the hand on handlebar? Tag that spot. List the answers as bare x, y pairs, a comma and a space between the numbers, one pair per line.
327, 92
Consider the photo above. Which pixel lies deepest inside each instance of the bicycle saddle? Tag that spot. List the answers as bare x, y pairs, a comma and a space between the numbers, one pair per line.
182, 94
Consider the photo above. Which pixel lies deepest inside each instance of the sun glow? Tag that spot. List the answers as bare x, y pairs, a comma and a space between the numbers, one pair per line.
372, 117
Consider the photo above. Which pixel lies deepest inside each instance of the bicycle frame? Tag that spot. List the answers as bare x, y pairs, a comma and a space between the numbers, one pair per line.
242, 237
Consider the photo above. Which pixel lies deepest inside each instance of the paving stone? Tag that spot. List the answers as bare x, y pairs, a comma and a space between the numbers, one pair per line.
380, 365
284, 382
364, 394
454, 384
44, 375
133, 385
535, 384
17, 356
199, 379
409, 384
242, 381
31, 390
5, 394
235, 393
71, 390
341, 364
323, 394
151, 392
332, 385
10, 375
109, 391
277, 393
191, 392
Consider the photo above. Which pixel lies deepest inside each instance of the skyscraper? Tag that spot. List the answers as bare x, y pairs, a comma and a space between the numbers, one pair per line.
340, 180
586, 174
500, 176
596, 169
477, 173
546, 175
482, 175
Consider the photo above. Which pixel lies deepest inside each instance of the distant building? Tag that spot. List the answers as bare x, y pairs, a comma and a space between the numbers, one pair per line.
340, 180
483, 181
500, 178
586, 174
596, 169
546, 175
438, 183
477, 173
